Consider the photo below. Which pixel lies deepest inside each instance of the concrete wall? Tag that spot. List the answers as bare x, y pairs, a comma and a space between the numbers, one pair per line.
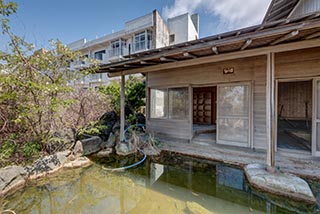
160, 37
183, 28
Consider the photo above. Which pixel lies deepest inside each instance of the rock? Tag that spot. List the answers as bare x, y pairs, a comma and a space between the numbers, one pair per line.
48, 163
116, 127
103, 153
87, 146
125, 148
61, 140
140, 118
287, 185
195, 208
78, 162
111, 142
10, 177
108, 119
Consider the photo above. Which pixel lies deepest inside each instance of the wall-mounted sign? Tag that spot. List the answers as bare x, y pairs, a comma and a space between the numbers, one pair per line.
228, 70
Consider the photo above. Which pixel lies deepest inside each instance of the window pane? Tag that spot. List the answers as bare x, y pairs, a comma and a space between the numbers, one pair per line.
234, 100
178, 103
233, 130
158, 103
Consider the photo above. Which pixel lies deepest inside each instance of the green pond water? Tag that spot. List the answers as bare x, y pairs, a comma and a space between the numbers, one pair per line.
167, 184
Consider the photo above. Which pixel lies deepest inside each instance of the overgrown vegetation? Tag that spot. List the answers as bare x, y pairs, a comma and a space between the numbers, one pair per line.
36, 100
134, 92
38, 107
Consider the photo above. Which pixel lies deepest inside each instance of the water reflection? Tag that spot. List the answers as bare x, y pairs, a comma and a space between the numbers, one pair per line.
166, 185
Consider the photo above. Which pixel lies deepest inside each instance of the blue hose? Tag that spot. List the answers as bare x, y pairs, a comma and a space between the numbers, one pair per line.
125, 140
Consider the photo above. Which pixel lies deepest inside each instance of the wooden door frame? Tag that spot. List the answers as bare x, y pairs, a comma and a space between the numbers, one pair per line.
213, 91
282, 80
191, 87
314, 117
250, 115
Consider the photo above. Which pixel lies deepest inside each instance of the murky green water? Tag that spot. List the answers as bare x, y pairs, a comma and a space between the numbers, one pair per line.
166, 185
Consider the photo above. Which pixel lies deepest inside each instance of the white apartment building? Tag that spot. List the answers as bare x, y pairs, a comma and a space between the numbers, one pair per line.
140, 34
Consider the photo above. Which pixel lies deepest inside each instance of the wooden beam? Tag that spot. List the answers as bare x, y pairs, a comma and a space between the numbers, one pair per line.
122, 107
226, 56
131, 66
167, 59
246, 44
215, 50
147, 63
285, 37
201, 46
187, 54
270, 112
312, 36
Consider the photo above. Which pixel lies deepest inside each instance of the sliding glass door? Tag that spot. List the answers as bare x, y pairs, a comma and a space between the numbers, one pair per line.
233, 116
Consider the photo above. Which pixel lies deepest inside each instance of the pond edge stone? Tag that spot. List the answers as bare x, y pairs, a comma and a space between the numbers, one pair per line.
14, 177
279, 183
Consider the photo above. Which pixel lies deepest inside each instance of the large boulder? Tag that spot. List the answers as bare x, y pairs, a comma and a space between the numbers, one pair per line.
108, 119
125, 148
48, 163
88, 146
10, 177
61, 140
111, 142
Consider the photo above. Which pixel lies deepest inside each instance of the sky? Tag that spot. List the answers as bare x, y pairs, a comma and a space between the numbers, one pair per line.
39, 21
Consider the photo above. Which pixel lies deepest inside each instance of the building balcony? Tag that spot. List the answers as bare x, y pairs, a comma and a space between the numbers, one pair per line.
116, 52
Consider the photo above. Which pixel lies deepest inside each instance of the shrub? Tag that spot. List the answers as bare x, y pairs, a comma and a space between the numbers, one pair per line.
7, 149
31, 149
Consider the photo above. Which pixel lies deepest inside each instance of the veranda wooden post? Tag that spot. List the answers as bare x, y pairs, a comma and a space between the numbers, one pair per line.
270, 112
122, 107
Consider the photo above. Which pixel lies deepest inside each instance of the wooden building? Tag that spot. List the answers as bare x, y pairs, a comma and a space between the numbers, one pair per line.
234, 88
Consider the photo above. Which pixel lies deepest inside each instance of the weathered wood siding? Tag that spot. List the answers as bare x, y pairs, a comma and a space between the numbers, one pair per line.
173, 128
306, 6
293, 64
295, 100
298, 64
259, 107
251, 69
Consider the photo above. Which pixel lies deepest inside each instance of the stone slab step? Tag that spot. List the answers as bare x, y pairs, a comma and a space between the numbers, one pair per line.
284, 184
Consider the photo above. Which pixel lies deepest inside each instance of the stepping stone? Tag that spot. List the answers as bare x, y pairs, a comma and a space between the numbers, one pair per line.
279, 183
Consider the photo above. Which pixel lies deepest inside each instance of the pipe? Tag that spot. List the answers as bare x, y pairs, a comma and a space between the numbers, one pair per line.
126, 140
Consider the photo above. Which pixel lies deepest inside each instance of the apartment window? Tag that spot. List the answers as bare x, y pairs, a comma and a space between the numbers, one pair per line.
84, 58
117, 48
99, 55
142, 41
171, 38
172, 103
96, 77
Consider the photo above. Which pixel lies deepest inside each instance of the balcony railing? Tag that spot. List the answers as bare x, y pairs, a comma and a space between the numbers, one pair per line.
116, 52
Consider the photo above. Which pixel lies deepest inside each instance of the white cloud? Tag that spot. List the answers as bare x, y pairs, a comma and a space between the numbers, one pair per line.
229, 14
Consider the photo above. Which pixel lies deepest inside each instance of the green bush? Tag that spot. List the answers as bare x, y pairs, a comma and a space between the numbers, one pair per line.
31, 149
95, 129
7, 149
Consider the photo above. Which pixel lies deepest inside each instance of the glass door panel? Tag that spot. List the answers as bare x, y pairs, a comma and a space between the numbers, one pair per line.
233, 119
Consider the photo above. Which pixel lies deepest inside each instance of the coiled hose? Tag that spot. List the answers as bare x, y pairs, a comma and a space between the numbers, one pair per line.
126, 140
